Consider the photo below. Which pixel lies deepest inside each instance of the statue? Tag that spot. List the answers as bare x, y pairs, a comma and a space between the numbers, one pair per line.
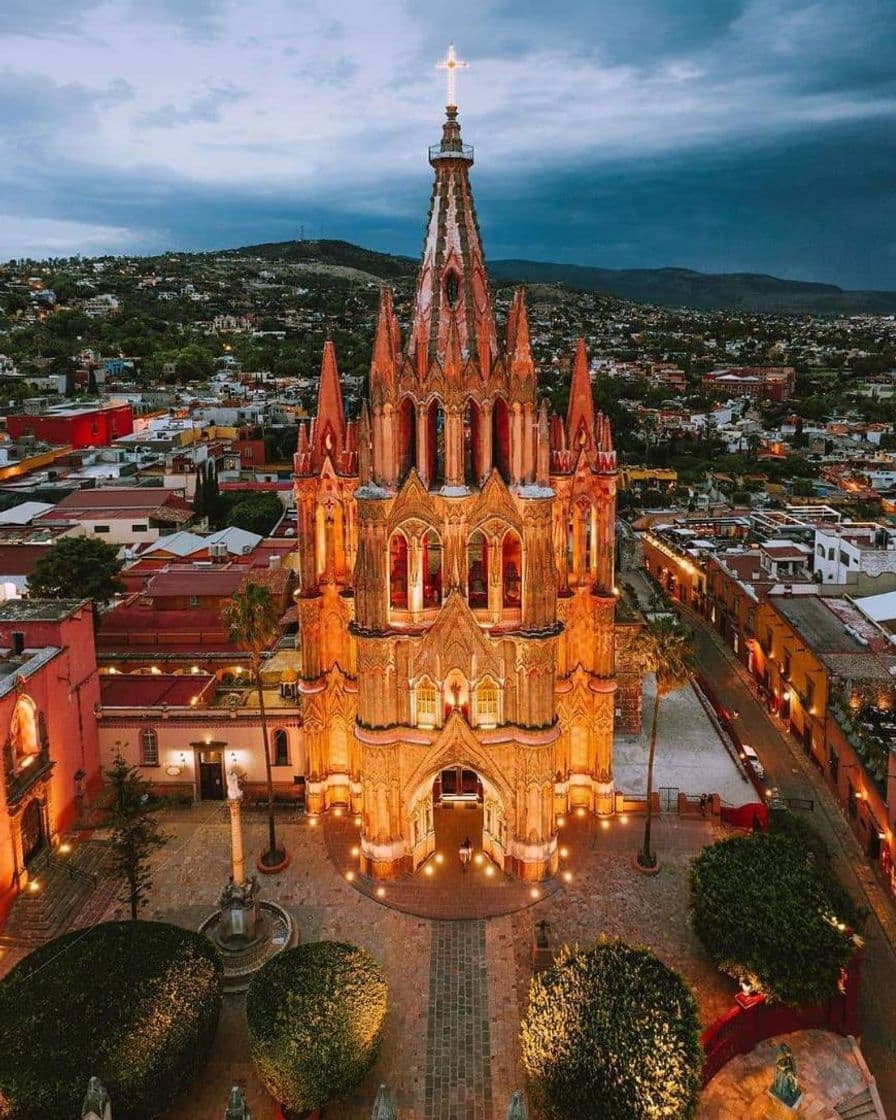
96, 1104
237, 1108
785, 1085
383, 1108
517, 1109
234, 790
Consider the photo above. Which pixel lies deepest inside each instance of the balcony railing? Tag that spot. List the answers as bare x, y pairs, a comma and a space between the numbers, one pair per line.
464, 152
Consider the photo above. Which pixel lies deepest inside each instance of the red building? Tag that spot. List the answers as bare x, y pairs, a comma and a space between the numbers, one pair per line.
49, 692
93, 426
770, 383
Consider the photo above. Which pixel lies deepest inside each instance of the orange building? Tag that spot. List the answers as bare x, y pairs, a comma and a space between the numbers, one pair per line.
455, 556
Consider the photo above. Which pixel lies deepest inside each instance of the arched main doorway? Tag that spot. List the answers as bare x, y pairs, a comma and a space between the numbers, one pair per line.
455, 806
34, 836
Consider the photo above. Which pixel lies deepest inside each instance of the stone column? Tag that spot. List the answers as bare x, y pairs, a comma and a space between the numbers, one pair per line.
234, 801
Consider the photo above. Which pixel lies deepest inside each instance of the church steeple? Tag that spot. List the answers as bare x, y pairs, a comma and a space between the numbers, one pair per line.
580, 413
452, 283
386, 351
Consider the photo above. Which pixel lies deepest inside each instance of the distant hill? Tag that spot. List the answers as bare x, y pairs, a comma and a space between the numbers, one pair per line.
671, 287
682, 287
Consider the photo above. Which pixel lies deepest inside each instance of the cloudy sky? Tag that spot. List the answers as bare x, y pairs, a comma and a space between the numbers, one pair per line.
722, 135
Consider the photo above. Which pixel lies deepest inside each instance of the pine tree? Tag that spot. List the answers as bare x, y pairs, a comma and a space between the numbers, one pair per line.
199, 502
136, 833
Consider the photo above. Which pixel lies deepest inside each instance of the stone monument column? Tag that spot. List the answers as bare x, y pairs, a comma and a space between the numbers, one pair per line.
234, 802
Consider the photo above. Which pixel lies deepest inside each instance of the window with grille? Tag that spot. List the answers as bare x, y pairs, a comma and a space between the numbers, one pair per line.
426, 705
280, 748
149, 748
487, 704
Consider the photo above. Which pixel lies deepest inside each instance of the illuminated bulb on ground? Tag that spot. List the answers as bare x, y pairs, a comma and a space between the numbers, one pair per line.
337, 812
356, 851
380, 892
479, 857
65, 848
604, 824
350, 875
535, 893
624, 818
429, 869
312, 821
580, 812
561, 821
34, 886
564, 853
358, 822
489, 871
567, 876
440, 858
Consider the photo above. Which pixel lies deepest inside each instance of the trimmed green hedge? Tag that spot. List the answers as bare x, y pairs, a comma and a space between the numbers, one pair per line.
315, 1016
135, 1004
766, 908
611, 1033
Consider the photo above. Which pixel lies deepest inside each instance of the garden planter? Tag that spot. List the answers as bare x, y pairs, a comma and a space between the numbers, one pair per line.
638, 866
274, 868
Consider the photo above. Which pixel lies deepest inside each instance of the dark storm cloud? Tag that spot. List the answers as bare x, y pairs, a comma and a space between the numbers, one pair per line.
715, 134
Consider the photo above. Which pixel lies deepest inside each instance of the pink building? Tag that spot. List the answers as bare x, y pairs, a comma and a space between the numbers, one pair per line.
49, 692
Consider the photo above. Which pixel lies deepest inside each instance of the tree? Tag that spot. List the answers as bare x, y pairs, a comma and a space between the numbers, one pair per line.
77, 568
665, 649
195, 363
199, 496
252, 618
770, 913
257, 513
611, 1033
136, 833
315, 1016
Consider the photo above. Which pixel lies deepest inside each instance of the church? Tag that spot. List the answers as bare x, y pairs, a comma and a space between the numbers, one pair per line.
455, 556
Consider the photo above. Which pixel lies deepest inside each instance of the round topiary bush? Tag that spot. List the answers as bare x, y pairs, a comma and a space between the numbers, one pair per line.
770, 914
315, 1016
611, 1033
135, 1004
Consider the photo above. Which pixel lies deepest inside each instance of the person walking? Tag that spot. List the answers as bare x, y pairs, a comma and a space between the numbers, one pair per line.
466, 854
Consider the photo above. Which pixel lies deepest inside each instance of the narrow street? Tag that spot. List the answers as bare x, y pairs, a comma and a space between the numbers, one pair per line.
794, 775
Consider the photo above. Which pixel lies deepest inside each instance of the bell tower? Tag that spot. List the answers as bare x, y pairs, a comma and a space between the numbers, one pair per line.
456, 552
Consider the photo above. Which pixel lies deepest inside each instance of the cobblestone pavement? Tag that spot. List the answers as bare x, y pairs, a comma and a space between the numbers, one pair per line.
458, 1046
827, 1068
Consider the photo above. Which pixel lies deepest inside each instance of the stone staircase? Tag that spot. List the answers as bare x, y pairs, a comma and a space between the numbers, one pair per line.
861, 1106
65, 884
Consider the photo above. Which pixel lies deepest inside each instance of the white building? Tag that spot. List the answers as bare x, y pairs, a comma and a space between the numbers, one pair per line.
842, 552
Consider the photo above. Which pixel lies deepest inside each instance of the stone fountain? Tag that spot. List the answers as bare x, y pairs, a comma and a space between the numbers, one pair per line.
246, 930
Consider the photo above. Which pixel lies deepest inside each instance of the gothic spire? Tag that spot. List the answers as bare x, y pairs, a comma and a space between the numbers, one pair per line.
330, 427
519, 352
580, 413
452, 280
386, 350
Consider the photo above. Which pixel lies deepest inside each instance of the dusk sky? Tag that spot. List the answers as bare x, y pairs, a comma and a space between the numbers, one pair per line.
722, 135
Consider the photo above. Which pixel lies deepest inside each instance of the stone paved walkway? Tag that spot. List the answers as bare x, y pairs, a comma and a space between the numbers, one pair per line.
458, 1048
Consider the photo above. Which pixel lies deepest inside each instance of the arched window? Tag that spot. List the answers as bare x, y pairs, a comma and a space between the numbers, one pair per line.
477, 571
24, 733
511, 571
149, 747
435, 421
280, 747
432, 569
472, 441
425, 697
398, 572
501, 438
487, 704
407, 436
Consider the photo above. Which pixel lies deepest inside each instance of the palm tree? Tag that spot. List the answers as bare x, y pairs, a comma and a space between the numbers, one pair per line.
665, 649
252, 618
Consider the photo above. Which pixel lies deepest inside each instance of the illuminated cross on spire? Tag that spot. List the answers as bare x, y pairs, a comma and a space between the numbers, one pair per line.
451, 64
